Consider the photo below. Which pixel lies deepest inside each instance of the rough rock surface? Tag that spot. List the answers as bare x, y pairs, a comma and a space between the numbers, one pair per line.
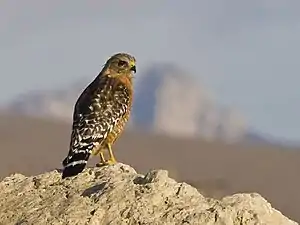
118, 195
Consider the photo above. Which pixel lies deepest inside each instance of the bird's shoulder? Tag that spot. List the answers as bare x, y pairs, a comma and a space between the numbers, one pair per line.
102, 95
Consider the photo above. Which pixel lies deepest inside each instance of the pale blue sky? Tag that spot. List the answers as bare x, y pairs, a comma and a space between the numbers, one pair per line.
245, 52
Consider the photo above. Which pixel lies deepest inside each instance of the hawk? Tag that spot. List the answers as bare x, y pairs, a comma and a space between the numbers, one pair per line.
100, 114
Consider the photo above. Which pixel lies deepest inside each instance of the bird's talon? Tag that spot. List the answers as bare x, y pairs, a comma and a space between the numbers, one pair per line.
100, 164
106, 163
111, 162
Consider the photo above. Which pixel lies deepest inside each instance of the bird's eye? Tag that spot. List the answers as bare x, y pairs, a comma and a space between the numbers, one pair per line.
122, 63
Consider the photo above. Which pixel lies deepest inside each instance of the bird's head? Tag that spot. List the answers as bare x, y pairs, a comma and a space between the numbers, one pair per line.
120, 64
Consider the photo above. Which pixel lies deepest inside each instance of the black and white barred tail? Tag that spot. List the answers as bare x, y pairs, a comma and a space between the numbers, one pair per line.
75, 163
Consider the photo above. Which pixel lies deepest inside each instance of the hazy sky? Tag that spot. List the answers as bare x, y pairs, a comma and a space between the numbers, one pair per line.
245, 52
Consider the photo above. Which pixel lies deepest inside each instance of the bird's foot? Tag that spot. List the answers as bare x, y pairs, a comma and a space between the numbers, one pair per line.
101, 164
111, 161
106, 163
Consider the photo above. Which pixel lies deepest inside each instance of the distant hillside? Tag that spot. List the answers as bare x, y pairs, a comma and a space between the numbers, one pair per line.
168, 100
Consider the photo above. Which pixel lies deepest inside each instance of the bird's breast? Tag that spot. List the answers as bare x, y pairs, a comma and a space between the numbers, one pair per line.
119, 127
116, 100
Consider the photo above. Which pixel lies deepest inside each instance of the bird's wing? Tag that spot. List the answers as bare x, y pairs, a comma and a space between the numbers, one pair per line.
96, 113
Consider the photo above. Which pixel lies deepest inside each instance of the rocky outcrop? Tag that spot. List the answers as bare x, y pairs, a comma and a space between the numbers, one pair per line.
118, 195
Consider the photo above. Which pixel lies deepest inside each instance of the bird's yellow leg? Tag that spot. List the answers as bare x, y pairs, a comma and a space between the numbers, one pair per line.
95, 151
102, 159
112, 160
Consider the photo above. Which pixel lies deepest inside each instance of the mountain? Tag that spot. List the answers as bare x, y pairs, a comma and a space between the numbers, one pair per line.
168, 100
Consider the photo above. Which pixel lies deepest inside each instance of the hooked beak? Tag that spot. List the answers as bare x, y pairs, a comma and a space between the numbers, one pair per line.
133, 68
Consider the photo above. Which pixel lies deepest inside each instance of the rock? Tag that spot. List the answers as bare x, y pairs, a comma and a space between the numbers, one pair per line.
118, 195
